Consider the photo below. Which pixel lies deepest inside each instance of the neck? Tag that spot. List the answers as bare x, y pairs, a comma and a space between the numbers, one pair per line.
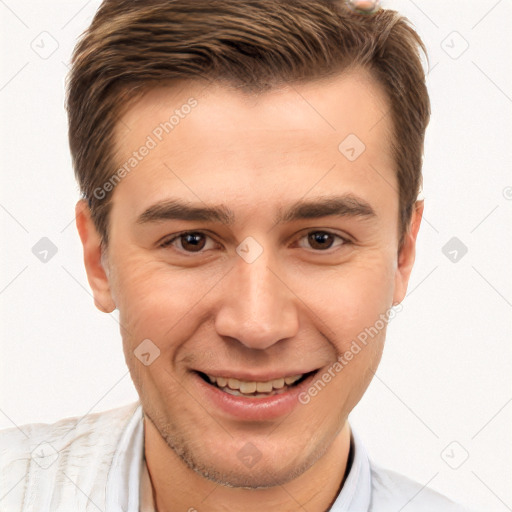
316, 489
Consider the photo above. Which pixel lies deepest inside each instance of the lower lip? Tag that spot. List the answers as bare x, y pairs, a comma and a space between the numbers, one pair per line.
253, 409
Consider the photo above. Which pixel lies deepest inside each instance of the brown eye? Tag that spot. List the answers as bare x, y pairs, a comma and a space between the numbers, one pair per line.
322, 240
192, 241
188, 242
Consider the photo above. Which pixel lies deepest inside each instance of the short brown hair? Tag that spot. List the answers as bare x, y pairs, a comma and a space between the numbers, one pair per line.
133, 45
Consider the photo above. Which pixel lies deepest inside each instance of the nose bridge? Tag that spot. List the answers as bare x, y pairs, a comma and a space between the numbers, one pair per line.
256, 307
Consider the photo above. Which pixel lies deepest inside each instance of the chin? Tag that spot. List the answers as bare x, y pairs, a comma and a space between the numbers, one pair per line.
285, 464
266, 475
205, 459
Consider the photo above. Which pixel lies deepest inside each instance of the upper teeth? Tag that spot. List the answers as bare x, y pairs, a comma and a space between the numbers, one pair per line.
245, 386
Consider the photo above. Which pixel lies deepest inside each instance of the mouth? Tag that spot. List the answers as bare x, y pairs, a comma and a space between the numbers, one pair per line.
255, 389
251, 400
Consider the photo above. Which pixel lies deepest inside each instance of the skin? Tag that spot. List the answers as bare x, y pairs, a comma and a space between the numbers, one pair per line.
297, 305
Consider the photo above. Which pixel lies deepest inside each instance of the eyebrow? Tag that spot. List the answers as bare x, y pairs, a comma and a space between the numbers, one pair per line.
340, 206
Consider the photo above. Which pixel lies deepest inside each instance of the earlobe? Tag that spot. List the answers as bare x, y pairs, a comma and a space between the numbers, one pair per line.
407, 254
91, 242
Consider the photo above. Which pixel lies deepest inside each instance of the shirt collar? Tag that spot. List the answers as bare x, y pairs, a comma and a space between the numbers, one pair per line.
129, 485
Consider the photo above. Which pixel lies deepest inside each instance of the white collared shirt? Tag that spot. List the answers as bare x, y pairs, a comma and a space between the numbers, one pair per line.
96, 462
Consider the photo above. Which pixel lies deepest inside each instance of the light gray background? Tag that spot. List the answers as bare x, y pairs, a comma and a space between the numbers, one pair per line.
446, 372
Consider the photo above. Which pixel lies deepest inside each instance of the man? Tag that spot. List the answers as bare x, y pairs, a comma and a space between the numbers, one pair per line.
250, 174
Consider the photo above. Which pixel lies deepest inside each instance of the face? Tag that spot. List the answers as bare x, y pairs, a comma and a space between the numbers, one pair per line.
252, 245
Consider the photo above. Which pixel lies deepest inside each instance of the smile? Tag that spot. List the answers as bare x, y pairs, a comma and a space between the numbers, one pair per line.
255, 389
253, 397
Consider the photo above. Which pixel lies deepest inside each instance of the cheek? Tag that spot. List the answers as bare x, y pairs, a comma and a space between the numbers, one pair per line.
156, 301
351, 298
359, 309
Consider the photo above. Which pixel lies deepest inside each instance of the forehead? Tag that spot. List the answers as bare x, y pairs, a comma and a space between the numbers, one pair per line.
211, 139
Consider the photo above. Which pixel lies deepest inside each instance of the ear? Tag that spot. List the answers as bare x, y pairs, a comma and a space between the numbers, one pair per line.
96, 274
407, 253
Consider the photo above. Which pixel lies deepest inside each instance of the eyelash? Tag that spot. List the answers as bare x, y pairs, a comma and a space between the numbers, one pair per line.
169, 241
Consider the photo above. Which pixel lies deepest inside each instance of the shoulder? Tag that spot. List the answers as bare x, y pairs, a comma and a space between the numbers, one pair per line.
391, 490
67, 431
34, 457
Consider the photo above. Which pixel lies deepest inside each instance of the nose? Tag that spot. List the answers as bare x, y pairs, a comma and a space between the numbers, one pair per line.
257, 308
